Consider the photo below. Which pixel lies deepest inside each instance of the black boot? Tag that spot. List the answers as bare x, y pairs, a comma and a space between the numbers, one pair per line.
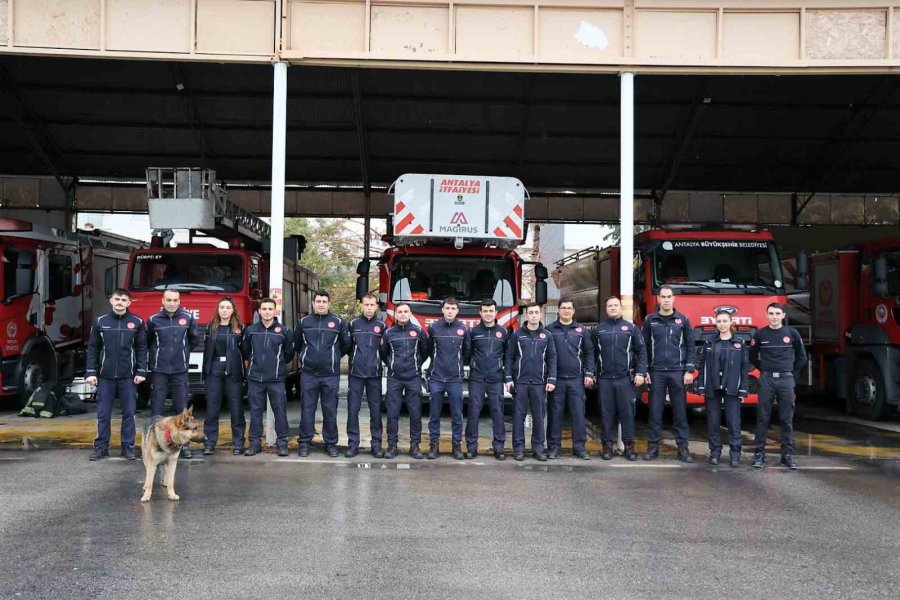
186, 452
630, 454
434, 450
607, 453
788, 461
457, 452
472, 452
685, 456
416, 452
652, 452
207, 450
128, 452
391, 452
759, 460
99, 452
377, 452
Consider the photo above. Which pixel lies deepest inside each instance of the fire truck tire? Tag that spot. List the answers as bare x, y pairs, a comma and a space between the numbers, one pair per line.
35, 368
867, 394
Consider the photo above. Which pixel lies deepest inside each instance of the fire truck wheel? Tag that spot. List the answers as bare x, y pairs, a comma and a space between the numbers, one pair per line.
867, 394
36, 368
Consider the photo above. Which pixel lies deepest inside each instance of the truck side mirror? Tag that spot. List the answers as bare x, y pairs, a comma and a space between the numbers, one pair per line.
880, 276
362, 286
802, 281
540, 292
362, 268
540, 272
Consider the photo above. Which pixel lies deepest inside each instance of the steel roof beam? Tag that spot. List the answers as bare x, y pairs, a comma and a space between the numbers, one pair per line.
40, 139
667, 173
190, 110
360, 132
845, 136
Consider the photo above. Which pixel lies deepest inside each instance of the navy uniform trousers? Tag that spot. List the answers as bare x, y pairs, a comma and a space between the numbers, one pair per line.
533, 396
355, 387
616, 397
770, 390
276, 393
569, 392
399, 390
477, 392
660, 383
218, 385
108, 388
313, 388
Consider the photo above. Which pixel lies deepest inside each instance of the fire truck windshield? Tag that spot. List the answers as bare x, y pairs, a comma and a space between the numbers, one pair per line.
187, 271
716, 266
427, 279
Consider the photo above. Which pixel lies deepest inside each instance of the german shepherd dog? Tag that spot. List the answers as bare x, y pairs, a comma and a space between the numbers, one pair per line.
162, 443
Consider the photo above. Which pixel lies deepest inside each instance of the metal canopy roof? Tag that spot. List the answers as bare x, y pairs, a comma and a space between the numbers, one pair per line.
104, 118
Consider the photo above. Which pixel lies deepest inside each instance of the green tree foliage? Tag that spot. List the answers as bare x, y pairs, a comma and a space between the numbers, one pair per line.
332, 251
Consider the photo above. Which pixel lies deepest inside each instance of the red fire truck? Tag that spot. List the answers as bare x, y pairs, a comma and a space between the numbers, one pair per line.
855, 317
204, 273
455, 236
709, 270
53, 285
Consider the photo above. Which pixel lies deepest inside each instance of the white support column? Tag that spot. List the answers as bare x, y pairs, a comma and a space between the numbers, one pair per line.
626, 200
626, 203
276, 250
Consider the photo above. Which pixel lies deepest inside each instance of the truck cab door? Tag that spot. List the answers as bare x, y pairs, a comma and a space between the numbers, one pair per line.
59, 312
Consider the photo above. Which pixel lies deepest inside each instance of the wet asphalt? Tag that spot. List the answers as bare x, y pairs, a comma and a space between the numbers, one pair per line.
365, 528
320, 527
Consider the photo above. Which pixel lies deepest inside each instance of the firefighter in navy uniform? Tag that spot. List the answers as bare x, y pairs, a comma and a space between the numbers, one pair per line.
269, 348
448, 345
777, 351
621, 366
223, 374
722, 379
669, 339
321, 339
366, 331
531, 372
116, 364
486, 379
171, 335
403, 350
574, 372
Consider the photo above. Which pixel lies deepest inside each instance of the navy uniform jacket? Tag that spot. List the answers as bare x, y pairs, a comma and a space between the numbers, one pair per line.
669, 341
777, 350
619, 347
365, 346
234, 358
574, 349
531, 356
117, 346
724, 365
170, 339
321, 341
269, 349
448, 346
488, 354
403, 350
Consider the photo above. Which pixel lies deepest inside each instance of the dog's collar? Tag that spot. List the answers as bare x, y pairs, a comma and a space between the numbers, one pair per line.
169, 441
